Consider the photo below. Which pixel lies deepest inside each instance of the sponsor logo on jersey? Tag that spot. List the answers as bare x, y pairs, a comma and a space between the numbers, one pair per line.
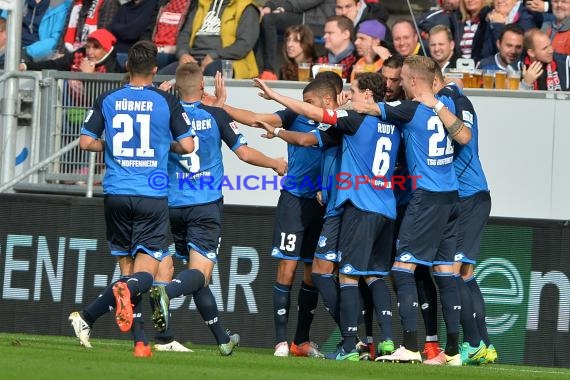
235, 128
322, 241
89, 114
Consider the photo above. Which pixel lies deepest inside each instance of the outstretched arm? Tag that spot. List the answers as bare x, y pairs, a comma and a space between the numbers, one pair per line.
291, 137
302, 108
254, 157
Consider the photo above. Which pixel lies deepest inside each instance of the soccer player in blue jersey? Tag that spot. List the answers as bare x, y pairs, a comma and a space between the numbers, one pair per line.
139, 122
427, 234
195, 200
474, 210
365, 193
297, 226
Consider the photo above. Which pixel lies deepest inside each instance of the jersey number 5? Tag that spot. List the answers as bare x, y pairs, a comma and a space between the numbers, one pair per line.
125, 122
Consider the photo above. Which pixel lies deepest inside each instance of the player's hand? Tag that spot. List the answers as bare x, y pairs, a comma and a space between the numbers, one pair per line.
381, 52
186, 58
343, 98
267, 127
209, 99
267, 92
281, 166
532, 73
320, 198
427, 98
166, 85
497, 17
220, 89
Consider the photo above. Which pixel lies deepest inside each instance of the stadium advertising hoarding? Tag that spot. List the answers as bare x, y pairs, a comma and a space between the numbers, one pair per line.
54, 260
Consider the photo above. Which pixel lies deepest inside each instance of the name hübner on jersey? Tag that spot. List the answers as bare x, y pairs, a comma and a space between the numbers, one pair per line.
439, 161
133, 105
387, 129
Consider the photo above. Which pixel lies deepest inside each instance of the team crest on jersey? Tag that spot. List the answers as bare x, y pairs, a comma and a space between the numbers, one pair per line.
394, 104
186, 119
467, 117
341, 113
322, 241
89, 114
234, 127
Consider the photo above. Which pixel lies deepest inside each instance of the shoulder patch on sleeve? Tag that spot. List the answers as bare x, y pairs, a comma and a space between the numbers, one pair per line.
341, 113
235, 128
323, 126
89, 114
467, 117
186, 119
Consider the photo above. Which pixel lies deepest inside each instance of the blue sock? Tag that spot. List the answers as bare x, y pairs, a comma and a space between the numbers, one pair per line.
138, 321
281, 305
206, 304
451, 309
479, 309
349, 310
407, 305
307, 303
101, 305
328, 289
383, 306
468, 322
139, 283
187, 282
427, 297
166, 336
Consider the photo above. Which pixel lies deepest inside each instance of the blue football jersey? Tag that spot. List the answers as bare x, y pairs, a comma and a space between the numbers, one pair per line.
429, 150
196, 178
302, 179
369, 150
139, 124
467, 164
330, 167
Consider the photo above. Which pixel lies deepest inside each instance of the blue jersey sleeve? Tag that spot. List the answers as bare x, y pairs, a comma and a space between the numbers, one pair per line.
287, 117
348, 121
399, 112
229, 131
94, 123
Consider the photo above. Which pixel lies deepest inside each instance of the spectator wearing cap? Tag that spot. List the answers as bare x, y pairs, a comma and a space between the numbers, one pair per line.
369, 47
97, 56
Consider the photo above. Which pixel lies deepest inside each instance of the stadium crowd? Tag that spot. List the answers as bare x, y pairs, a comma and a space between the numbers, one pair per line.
352, 33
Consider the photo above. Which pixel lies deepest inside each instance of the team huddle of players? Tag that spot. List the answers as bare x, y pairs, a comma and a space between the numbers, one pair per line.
401, 122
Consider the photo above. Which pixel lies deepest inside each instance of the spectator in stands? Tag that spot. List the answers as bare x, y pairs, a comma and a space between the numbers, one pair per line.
470, 35
2, 41
543, 69
97, 56
505, 12
447, 14
339, 32
277, 15
510, 46
299, 47
83, 19
48, 32
130, 23
442, 47
541, 10
34, 10
215, 30
169, 22
406, 40
359, 10
368, 46
559, 29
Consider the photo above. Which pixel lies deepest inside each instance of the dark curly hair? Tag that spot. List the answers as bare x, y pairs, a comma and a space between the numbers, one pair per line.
307, 41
